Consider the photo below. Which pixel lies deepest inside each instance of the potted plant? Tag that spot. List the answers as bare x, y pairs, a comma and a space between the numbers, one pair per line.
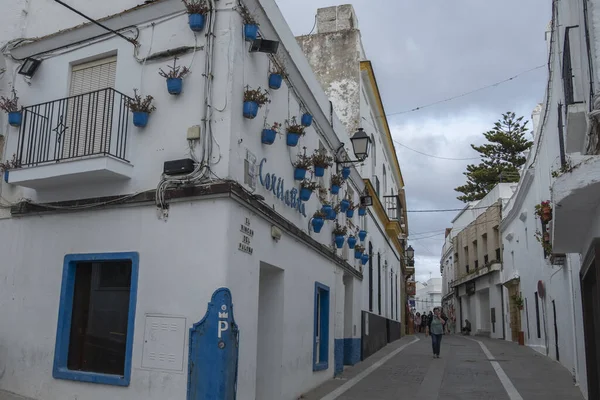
340, 235
518, 301
344, 205
301, 166
352, 241
321, 162
11, 106
351, 208
544, 211
358, 251
250, 24
318, 220
362, 235
544, 240
174, 77
307, 188
141, 108
345, 172
270, 133
336, 183
276, 76
196, 10
306, 119
364, 258
253, 100
362, 211
294, 131
8, 165
326, 208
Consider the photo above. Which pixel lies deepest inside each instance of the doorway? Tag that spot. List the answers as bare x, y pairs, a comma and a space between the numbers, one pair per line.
591, 322
515, 311
555, 331
269, 349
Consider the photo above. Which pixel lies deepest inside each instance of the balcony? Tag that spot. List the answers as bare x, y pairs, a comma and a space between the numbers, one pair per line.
78, 139
393, 207
486, 259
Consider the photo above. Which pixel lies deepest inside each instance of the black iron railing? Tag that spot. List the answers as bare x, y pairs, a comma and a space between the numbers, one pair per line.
498, 255
393, 207
376, 183
89, 124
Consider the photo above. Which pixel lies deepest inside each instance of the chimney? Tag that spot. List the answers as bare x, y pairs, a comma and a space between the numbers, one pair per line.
336, 18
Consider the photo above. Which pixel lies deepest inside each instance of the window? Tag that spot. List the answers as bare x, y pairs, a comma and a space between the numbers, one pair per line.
370, 277
94, 337
373, 156
321, 343
537, 315
379, 282
391, 295
384, 189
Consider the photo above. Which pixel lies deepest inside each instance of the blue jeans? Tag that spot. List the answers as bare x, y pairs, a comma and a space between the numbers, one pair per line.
436, 343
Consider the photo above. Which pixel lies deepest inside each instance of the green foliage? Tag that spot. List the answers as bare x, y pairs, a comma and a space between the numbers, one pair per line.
501, 158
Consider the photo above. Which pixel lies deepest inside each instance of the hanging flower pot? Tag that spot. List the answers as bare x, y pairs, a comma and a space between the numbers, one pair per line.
339, 241
253, 100
344, 205
307, 188
346, 172
362, 211
335, 189
299, 174
358, 253
321, 161
351, 242
332, 214
364, 258
174, 85
319, 171
15, 118
294, 131
350, 213
307, 119
6, 176
250, 109
317, 224
140, 118
362, 235
196, 22
305, 194
250, 32
268, 136
275, 81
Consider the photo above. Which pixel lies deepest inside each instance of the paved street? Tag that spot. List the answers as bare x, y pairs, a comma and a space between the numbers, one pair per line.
407, 370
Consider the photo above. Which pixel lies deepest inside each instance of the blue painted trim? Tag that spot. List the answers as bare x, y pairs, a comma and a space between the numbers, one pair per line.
65, 310
352, 347
324, 343
338, 356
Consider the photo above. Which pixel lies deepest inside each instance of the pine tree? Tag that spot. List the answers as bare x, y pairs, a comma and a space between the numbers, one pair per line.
501, 158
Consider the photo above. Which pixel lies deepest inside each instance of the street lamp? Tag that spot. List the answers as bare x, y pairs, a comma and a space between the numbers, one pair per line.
410, 256
361, 142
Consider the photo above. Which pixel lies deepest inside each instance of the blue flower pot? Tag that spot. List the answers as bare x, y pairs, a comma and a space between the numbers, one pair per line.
350, 213
319, 171
351, 242
250, 109
364, 258
346, 172
335, 189
332, 214
305, 194
140, 118
299, 174
362, 211
326, 209
344, 204
339, 241
358, 254
250, 32
362, 235
15, 118
6, 176
317, 224
174, 85
275, 81
196, 22
292, 139
306, 119
268, 136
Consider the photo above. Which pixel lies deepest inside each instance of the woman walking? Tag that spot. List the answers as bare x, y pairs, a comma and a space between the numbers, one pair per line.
435, 328
418, 323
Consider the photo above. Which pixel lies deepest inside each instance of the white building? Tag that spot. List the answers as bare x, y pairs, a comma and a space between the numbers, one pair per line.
109, 263
429, 295
562, 169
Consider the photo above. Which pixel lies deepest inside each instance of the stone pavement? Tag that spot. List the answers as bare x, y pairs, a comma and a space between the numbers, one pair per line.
406, 370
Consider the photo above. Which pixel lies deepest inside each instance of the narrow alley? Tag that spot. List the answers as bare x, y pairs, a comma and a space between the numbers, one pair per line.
471, 368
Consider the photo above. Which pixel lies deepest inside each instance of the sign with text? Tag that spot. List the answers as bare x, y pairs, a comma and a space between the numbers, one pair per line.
276, 185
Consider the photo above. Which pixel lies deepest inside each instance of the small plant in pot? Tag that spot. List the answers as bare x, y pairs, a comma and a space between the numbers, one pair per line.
362, 235
334, 212
301, 166
326, 208
345, 205
339, 232
197, 10
544, 211
358, 251
321, 161
346, 172
276, 76
253, 100
11, 106
250, 24
362, 211
318, 220
352, 241
518, 300
8, 165
307, 119
364, 258
336, 182
141, 108
270, 133
294, 131
307, 188
351, 208
174, 77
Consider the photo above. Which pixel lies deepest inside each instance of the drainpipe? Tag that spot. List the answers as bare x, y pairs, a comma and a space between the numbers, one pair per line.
571, 295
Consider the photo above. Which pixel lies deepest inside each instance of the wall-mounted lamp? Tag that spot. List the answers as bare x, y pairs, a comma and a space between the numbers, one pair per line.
361, 143
264, 46
410, 256
29, 67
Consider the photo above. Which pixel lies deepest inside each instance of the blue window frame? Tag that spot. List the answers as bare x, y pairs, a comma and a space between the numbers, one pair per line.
94, 280
321, 332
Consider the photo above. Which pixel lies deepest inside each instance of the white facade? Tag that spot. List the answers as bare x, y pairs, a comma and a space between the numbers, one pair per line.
429, 295
196, 246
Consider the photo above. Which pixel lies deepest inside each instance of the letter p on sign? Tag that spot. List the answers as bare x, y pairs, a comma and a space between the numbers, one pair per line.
223, 326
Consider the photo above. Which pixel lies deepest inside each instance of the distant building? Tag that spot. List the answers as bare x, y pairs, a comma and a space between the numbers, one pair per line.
428, 295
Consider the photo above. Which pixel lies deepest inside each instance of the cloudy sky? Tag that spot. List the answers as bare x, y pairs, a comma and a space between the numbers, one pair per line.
427, 51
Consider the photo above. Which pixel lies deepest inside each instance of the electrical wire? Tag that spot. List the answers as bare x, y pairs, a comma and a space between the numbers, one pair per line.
466, 93
434, 156
451, 209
